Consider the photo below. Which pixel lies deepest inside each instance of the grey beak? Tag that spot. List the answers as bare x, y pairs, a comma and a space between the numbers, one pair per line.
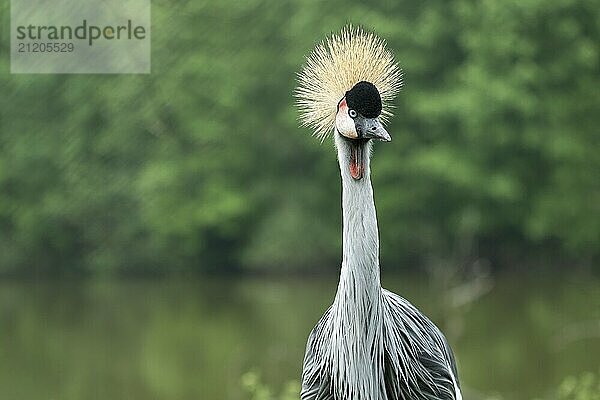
371, 128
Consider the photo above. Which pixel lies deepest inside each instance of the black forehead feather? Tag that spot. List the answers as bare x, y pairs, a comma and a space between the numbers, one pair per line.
365, 99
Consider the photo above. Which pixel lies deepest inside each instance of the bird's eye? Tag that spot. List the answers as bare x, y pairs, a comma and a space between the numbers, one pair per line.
352, 113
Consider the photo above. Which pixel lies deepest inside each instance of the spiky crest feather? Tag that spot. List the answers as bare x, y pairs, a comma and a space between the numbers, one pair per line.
335, 66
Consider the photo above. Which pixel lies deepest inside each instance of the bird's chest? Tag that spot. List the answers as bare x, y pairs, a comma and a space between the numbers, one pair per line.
356, 354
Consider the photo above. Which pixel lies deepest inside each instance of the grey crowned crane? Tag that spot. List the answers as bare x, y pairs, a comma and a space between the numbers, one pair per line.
371, 344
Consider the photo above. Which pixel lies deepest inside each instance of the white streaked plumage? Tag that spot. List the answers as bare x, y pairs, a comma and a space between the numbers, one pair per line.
371, 344
334, 66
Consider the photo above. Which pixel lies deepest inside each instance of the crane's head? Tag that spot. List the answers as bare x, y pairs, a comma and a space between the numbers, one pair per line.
346, 88
358, 113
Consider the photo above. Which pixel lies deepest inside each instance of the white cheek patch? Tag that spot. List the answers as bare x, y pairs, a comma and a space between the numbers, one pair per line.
344, 123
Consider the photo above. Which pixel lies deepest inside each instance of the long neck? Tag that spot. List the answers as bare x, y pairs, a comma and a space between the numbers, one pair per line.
356, 351
360, 262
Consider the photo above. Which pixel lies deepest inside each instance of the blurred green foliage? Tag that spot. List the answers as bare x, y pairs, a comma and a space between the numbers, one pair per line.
201, 164
584, 387
257, 390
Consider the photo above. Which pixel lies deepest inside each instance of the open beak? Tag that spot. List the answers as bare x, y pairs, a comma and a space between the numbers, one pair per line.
371, 128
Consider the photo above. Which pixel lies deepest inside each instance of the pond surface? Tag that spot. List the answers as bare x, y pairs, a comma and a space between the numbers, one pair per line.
194, 339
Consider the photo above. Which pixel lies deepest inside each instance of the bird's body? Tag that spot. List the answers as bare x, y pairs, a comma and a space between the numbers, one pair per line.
371, 344
383, 376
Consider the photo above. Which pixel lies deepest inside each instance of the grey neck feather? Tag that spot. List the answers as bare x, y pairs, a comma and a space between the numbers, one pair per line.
356, 356
360, 233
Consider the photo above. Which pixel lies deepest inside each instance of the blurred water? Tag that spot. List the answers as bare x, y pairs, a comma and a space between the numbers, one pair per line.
177, 339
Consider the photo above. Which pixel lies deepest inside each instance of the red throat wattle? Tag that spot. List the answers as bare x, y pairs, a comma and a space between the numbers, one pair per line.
357, 161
